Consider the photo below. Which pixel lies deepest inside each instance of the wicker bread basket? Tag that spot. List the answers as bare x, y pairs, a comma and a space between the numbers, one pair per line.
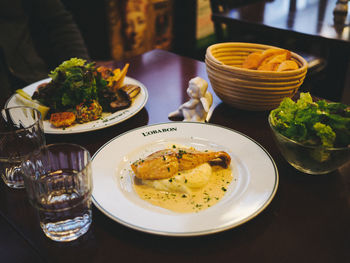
246, 88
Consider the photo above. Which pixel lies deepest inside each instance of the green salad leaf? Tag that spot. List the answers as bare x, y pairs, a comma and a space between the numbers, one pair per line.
73, 82
67, 66
313, 122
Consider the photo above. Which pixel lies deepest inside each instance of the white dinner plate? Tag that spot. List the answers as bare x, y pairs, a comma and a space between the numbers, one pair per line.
254, 184
108, 119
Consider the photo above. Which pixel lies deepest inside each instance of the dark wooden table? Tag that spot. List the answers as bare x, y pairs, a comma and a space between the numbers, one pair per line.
308, 26
307, 221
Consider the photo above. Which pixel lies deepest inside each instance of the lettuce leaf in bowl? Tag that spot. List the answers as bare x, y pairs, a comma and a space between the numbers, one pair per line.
309, 122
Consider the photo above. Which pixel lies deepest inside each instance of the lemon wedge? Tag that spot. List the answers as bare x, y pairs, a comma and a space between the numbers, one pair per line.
25, 98
23, 94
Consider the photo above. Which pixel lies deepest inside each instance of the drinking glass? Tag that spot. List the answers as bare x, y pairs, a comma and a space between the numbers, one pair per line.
58, 181
21, 132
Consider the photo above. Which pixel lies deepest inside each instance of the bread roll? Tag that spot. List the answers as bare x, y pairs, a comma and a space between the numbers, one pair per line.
271, 59
287, 65
252, 60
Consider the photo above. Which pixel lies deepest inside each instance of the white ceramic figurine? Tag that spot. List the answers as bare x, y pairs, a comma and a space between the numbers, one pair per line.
197, 108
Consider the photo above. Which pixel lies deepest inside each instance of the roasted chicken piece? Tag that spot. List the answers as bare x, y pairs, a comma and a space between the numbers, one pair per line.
167, 163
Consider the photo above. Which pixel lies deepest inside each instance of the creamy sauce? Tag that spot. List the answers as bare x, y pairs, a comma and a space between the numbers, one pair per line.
195, 201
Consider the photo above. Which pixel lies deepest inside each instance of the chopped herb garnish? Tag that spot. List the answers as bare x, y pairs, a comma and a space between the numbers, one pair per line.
207, 199
223, 189
170, 180
180, 153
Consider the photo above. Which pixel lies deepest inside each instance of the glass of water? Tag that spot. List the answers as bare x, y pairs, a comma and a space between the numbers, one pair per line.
58, 180
21, 132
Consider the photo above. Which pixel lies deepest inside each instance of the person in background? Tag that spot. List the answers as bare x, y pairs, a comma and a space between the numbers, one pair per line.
35, 37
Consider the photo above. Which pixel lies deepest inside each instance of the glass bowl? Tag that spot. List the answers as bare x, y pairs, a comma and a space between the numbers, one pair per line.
310, 159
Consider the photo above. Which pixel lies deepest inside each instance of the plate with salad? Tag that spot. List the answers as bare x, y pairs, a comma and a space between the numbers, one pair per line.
79, 96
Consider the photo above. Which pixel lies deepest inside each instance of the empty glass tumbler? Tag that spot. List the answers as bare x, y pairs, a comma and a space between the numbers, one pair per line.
58, 181
21, 132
